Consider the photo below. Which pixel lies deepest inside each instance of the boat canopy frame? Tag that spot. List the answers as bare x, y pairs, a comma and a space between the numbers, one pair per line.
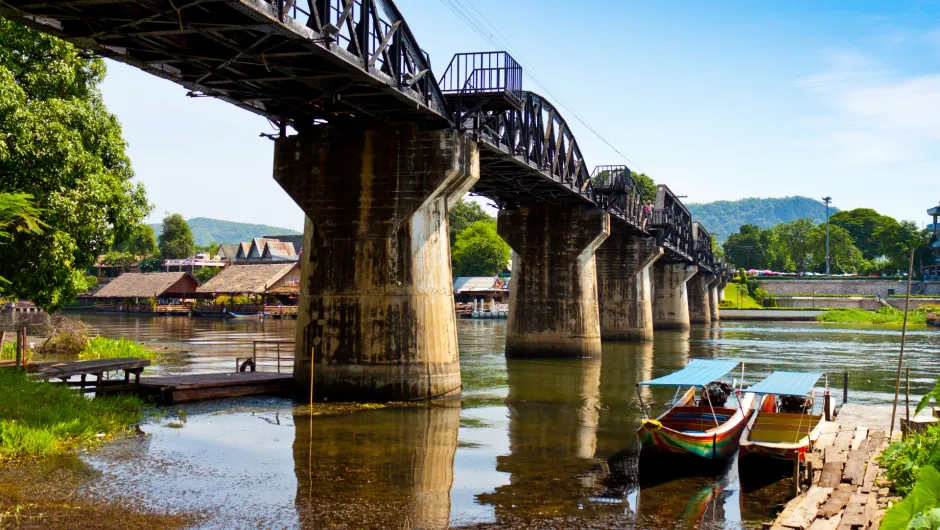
698, 373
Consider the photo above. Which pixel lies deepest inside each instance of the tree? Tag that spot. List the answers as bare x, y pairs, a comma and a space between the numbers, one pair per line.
744, 248
151, 264
59, 144
797, 237
895, 240
844, 256
124, 260
141, 242
204, 274
462, 215
176, 241
646, 185
861, 224
479, 251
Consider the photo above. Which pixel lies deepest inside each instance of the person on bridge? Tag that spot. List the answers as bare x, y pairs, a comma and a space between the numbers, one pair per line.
647, 213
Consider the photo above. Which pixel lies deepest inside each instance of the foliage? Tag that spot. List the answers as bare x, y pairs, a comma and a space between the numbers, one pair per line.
925, 401
646, 185
59, 144
176, 240
119, 259
208, 249
884, 315
462, 215
796, 236
105, 348
236, 300
18, 213
142, 242
151, 264
843, 255
41, 419
205, 274
479, 251
861, 224
724, 217
921, 508
67, 336
8, 352
206, 230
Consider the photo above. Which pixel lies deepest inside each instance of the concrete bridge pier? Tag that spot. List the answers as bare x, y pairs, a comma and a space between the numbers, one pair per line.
376, 317
714, 299
624, 290
553, 308
699, 288
721, 289
670, 295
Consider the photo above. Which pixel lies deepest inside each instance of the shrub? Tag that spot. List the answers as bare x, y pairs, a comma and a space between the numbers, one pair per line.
68, 336
105, 348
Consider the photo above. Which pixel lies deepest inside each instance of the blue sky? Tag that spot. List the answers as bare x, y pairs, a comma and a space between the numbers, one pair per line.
719, 101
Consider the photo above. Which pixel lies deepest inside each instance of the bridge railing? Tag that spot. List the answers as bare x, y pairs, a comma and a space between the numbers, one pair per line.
616, 192
375, 32
483, 74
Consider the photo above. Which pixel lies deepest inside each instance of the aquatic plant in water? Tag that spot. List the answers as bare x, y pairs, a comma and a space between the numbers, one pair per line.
105, 348
41, 419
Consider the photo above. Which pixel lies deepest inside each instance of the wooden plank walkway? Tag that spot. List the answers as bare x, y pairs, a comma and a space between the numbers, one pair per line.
843, 495
196, 387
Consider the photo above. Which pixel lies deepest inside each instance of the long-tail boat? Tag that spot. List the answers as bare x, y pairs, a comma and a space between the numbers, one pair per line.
786, 429
694, 425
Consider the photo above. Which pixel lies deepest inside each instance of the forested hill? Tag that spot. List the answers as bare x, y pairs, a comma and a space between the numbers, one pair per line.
722, 218
207, 230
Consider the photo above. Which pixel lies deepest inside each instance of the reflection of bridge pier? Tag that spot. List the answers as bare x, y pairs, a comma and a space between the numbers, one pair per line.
553, 413
391, 468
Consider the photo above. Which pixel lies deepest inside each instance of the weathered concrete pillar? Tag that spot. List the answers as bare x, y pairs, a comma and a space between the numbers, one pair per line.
699, 289
670, 296
713, 298
624, 288
376, 313
553, 296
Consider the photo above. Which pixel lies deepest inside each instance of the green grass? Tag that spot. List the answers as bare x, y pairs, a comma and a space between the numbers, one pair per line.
105, 348
40, 419
732, 294
884, 315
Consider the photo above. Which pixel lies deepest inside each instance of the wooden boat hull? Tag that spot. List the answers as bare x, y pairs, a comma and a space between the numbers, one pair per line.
242, 315
718, 443
772, 435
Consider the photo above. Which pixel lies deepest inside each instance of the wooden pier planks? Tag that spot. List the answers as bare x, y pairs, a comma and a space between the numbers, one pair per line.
197, 387
846, 493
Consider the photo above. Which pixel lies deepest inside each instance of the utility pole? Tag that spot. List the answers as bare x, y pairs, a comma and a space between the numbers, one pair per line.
827, 200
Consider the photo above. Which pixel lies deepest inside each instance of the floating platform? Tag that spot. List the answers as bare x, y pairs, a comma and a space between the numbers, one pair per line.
197, 387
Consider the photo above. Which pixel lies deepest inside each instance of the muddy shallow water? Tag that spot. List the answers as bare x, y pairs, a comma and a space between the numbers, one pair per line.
540, 443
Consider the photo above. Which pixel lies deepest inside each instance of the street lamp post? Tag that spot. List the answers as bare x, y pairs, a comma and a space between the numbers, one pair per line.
827, 200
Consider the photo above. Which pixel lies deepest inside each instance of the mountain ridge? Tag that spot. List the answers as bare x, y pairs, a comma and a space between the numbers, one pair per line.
722, 218
207, 230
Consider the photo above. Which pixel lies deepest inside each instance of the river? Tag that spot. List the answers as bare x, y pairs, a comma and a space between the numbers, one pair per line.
539, 443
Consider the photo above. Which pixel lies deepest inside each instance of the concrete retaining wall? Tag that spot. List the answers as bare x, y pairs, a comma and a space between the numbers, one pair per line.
769, 314
860, 286
842, 303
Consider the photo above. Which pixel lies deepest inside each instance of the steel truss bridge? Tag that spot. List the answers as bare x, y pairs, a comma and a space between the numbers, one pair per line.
301, 63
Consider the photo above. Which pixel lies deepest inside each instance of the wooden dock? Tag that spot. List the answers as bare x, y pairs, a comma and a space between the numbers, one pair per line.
197, 387
844, 494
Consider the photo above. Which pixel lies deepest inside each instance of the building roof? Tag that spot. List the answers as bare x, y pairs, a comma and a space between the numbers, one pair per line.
227, 250
278, 249
243, 249
477, 284
246, 279
142, 285
296, 239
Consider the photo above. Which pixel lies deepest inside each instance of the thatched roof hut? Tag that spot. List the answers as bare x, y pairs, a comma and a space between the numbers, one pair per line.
254, 279
150, 284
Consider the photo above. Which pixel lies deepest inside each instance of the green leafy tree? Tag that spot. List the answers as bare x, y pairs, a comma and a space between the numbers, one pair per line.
59, 144
462, 215
797, 237
479, 251
125, 260
176, 241
894, 240
744, 248
861, 224
646, 185
204, 274
844, 256
141, 242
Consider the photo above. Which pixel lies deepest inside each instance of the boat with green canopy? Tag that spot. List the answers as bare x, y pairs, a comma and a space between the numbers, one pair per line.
698, 422
784, 426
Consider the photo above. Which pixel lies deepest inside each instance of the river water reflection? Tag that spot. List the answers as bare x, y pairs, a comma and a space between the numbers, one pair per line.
540, 443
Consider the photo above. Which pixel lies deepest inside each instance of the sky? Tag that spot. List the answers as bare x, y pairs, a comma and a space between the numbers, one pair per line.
718, 101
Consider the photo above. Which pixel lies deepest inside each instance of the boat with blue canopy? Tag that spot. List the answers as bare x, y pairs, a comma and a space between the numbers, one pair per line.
784, 426
698, 421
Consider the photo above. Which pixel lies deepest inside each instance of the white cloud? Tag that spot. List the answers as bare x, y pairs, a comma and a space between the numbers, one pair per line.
875, 115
